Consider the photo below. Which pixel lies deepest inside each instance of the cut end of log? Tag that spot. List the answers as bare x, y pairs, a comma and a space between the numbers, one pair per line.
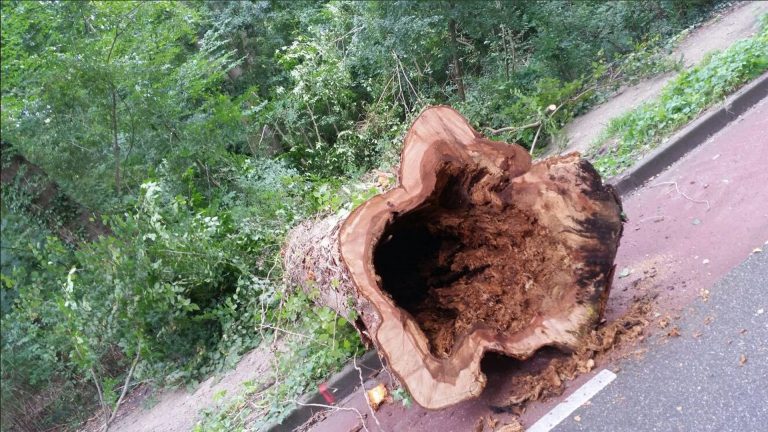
477, 250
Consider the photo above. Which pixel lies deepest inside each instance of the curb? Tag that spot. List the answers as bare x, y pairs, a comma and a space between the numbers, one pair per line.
691, 136
344, 382
338, 386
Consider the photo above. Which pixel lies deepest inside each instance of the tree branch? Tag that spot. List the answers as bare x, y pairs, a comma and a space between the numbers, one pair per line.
513, 128
125, 388
119, 31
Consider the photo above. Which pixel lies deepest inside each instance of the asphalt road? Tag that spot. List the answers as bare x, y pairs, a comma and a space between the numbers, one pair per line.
700, 381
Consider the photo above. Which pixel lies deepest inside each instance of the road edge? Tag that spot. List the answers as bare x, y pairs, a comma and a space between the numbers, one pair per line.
338, 386
691, 136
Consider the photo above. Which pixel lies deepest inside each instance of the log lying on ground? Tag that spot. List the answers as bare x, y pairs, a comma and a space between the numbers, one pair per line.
476, 250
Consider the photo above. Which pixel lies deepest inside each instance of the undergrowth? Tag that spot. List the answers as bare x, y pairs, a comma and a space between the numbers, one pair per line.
315, 343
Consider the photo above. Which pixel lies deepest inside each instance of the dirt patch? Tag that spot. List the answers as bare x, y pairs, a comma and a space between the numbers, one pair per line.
75, 222
448, 263
172, 410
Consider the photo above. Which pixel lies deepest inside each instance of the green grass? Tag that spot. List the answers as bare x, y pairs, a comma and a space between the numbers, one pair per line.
318, 342
682, 100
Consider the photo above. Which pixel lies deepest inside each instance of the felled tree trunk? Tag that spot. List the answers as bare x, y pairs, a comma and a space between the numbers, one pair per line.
476, 250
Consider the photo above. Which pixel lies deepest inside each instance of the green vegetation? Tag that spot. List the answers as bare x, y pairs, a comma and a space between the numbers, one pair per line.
199, 133
682, 100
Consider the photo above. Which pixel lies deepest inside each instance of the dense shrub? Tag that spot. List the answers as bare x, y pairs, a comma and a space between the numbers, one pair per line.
201, 132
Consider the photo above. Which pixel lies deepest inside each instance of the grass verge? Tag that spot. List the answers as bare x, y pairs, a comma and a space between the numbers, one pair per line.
628, 137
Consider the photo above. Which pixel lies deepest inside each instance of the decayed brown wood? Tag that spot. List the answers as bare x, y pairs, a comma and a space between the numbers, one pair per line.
478, 249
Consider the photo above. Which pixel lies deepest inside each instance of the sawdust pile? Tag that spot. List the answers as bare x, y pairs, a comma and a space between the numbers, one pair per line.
549, 380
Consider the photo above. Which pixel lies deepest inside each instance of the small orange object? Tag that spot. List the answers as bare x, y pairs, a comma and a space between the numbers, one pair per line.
377, 395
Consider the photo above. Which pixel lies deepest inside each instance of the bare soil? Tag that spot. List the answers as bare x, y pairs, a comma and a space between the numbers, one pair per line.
179, 409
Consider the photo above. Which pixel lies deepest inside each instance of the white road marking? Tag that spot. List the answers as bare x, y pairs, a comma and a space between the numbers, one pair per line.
573, 402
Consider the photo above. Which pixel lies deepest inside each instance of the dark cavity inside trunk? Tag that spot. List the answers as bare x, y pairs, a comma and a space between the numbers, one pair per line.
468, 258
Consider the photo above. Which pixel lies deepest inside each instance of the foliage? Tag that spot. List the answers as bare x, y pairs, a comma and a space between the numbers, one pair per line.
201, 132
319, 343
184, 284
82, 75
682, 100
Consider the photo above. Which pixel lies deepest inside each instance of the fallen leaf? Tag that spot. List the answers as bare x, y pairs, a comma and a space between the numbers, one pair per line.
492, 422
625, 272
515, 426
674, 332
708, 320
577, 418
743, 331
479, 425
376, 395
696, 334
704, 294
664, 322
742, 359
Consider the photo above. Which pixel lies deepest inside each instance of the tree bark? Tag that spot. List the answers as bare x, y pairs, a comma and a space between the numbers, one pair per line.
115, 143
457, 75
477, 249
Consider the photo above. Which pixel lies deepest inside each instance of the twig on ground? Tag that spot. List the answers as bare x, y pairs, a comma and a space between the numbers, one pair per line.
334, 408
657, 218
514, 128
102, 404
677, 188
125, 388
362, 388
278, 329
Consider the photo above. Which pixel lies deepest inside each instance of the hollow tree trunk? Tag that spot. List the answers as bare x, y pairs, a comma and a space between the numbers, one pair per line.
476, 250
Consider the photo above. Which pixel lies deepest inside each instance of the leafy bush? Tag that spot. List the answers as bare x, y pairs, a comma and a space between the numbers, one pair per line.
179, 285
319, 342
